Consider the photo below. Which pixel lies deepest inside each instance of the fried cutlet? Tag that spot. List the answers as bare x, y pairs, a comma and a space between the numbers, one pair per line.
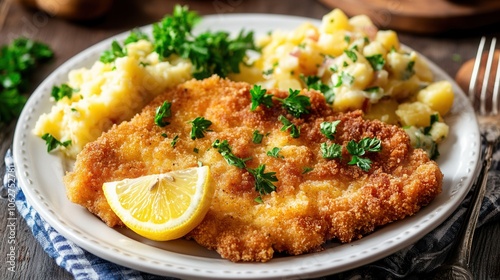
315, 200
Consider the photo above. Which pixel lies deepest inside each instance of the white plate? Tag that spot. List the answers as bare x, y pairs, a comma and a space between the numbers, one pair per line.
40, 177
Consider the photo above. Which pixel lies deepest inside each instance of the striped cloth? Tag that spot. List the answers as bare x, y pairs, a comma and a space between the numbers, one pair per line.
417, 259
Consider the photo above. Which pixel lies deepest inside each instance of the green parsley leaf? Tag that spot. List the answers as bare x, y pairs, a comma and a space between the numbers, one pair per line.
409, 71
360, 148
275, 153
209, 52
351, 55
60, 92
135, 35
52, 143
306, 170
225, 150
294, 130
434, 119
17, 61
174, 141
296, 104
331, 151
314, 82
163, 112
377, 61
200, 126
257, 137
258, 96
329, 129
263, 181
116, 51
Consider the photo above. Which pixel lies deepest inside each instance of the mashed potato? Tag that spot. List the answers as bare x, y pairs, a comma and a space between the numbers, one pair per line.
109, 93
357, 66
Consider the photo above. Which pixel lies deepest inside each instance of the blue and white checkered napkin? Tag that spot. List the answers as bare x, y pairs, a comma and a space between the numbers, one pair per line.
421, 257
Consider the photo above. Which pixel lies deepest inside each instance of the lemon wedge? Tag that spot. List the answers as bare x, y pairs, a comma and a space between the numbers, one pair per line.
162, 206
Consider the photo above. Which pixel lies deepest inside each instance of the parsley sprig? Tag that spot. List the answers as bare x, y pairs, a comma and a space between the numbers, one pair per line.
209, 52
200, 126
288, 125
358, 149
258, 96
59, 92
225, 150
17, 61
263, 181
163, 112
314, 82
52, 142
296, 104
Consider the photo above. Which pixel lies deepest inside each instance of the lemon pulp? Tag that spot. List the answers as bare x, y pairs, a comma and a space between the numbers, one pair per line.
162, 206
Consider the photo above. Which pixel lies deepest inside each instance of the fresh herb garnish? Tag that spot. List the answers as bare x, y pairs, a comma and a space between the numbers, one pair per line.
116, 51
163, 112
351, 55
358, 149
314, 82
331, 151
52, 143
200, 126
209, 52
294, 130
60, 92
135, 35
296, 104
275, 153
257, 137
174, 141
377, 61
306, 170
225, 150
17, 61
434, 119
258, 96
409, 71
263, 181
329, 129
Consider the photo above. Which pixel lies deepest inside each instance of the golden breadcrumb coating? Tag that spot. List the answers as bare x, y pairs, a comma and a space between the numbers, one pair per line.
333, 201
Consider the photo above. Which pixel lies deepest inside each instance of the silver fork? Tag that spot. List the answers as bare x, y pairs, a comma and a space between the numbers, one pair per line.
457, 264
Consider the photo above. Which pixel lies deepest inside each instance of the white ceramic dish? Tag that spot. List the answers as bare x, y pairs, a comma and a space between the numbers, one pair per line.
40, 177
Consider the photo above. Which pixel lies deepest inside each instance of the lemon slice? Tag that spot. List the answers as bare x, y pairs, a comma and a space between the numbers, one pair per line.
162, 206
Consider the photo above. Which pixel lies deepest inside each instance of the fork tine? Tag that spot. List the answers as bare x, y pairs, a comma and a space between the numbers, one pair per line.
475, 70
496, 89
486, 78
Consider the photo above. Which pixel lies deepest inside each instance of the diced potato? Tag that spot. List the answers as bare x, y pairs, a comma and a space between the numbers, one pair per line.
290, 83
388, 38
361, 21
332, 44
439, 96
347, 99
374, 48
402, 90
422, 70
401, 65
384, 110
439, 132
414, 114
334, 21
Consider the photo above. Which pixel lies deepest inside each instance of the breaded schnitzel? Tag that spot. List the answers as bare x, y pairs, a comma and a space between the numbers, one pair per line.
332, 200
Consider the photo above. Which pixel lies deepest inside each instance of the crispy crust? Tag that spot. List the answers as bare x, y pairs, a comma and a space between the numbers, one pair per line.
333, 201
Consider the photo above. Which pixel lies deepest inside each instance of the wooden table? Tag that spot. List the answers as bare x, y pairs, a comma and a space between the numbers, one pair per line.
69, 38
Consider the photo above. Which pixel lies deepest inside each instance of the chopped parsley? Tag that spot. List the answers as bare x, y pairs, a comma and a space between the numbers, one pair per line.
115, 52
275, 153
329, 128
135, 35
209, 52
52, 143
174, 141
296, 104
358, 149
344, 79
17, 61
60, 92
263, 181
258, 96
314, 82
225, 150
434, 119
163, 112
200, 126
288, 125
331, 151
377, 61
306, 170
409, 71
257, 137
351, 55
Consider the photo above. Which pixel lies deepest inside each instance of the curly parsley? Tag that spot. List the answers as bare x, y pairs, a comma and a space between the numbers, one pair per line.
296, 104
52, 142
225, 150
200, 126
358, 149
163, 112
288, 125
264, 182
258, 96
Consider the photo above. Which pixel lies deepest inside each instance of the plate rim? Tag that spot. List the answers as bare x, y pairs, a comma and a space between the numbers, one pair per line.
248, 271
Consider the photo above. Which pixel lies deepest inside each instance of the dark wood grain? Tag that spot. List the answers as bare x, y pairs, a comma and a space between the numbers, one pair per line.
67, 38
